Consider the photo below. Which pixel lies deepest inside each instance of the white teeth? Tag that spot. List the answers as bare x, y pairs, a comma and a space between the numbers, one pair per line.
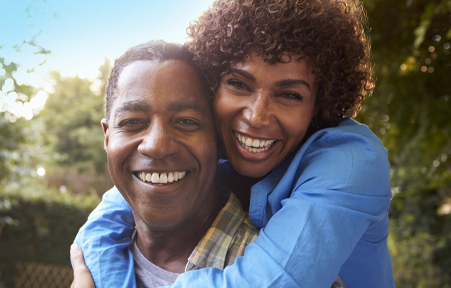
155, 178
170, 177
254, 145
164, 178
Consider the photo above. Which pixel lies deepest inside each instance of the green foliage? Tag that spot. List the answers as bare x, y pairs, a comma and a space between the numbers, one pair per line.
409, 111
39, 225
10, 140
72, 118
18, 137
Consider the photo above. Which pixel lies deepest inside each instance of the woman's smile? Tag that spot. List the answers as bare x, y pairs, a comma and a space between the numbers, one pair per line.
254, 145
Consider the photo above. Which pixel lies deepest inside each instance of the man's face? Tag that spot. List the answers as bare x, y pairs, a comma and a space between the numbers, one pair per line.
161, 143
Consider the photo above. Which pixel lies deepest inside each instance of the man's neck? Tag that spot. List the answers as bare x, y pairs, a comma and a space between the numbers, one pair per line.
240, 185
170, 249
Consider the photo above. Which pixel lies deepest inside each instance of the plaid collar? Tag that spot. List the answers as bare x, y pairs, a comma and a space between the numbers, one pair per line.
219, 247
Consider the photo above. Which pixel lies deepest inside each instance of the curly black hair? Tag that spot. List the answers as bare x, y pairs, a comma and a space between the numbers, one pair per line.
331, 33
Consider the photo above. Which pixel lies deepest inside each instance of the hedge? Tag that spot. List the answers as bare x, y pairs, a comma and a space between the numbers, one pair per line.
38, 225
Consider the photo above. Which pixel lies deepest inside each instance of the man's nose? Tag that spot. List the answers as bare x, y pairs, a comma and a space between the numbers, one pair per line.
158, 141
258, 111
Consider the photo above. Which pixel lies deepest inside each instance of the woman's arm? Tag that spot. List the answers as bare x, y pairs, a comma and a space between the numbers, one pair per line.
105, 238
326, 214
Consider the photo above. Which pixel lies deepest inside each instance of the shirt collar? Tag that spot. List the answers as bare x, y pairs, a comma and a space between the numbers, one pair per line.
213, 247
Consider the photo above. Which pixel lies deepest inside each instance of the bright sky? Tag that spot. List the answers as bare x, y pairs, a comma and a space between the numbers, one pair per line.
81, 32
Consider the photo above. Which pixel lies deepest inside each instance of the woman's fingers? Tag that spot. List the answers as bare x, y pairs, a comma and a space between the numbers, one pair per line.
82, 276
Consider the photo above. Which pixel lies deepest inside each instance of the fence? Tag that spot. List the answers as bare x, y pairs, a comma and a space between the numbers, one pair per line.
42, 275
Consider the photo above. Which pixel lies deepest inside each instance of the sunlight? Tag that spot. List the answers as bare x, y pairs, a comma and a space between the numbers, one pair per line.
16, 105
41, 171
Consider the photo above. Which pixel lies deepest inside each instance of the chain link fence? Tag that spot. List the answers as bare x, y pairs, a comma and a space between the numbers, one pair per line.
38, 275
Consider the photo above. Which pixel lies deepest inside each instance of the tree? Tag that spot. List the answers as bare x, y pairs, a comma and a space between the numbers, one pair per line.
20, 100
73, 134
410, 112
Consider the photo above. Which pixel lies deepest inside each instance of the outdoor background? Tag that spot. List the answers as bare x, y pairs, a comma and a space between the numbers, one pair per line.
53, 166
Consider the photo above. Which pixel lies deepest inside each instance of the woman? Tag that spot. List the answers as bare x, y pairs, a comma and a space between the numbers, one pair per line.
288, 76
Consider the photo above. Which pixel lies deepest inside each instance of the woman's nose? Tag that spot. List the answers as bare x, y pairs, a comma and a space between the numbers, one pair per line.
258, 111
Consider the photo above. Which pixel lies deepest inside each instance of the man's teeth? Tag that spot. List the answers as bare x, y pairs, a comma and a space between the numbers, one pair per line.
161, 178
254, 145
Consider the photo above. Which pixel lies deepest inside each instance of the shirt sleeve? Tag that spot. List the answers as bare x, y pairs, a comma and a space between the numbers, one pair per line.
336, 212
104, 240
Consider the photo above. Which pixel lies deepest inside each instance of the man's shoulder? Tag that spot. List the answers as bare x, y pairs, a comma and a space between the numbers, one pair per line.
226, 239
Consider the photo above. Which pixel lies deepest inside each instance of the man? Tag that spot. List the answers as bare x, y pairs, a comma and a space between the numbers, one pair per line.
162, 154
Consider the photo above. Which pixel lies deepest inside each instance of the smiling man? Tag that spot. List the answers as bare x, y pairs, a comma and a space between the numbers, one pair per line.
162, 155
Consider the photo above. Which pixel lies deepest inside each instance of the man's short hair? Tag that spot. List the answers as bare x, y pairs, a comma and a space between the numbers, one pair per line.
152, 50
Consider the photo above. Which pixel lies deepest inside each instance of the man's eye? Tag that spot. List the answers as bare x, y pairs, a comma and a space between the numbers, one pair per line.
188, 122
187, 125
236, 84
131, 122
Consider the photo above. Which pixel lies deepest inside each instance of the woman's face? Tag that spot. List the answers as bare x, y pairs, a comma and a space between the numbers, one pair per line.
263, 111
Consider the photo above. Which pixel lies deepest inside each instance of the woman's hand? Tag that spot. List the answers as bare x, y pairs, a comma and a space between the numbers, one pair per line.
82, 276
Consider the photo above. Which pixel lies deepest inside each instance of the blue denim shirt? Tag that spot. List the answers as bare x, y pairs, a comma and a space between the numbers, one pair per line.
323, 212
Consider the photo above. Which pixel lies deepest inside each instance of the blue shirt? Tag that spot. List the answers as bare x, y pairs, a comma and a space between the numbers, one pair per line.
323, 213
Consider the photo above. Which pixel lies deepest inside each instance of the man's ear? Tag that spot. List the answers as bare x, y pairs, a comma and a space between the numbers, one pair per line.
105, 132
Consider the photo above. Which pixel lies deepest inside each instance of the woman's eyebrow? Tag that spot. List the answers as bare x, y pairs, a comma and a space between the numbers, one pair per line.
243, 73
291, 82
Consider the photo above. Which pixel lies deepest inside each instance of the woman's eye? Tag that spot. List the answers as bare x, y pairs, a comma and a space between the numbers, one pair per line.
236, 84
292, 96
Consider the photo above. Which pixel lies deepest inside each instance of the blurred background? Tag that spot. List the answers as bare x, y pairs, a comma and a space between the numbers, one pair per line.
55, 58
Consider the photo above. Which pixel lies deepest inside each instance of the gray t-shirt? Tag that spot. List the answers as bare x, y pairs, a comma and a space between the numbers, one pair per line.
149, 275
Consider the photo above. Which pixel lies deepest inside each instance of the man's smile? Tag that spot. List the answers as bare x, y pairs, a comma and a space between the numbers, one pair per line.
161, 178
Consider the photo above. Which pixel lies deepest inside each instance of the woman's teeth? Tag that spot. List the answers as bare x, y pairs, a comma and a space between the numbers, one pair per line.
162, 178
254, 145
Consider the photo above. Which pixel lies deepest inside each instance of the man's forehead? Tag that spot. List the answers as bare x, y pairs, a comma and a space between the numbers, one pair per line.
137, 71
170, 85
130, 105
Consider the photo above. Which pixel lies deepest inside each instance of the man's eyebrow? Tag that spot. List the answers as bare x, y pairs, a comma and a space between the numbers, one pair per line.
243, 73
131, 106
183, 105
291, 82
